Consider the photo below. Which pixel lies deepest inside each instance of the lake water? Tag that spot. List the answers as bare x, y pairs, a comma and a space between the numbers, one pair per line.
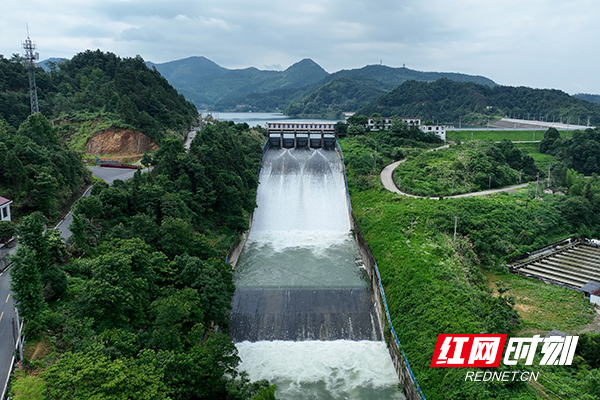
254, 119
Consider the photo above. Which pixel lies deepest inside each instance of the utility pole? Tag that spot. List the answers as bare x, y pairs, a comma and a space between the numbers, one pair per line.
375, 161
548, 175
520, 173
490, 183
455, 224
31, 56
460, 122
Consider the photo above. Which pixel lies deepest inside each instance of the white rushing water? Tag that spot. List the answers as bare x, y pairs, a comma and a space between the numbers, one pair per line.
300, 238
340, 369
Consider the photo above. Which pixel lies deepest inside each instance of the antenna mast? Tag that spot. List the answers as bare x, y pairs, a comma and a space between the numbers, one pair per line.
31, 56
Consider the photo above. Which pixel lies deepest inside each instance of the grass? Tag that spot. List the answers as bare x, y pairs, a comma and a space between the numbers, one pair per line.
27, 387
78, 128
543, 307
499, 135
458, 169
541, 160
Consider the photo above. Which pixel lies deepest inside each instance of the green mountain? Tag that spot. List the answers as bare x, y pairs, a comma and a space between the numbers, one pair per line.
336, 96
447, 101
95, 91
205, 83
592, 98
390, 77
303, 89
349, 90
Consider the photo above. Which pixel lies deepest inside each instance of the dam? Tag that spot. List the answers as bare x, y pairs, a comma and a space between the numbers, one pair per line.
303, 315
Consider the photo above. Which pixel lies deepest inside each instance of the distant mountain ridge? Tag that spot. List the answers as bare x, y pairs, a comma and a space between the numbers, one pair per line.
592, 98
205, 83
449, 102
305, 85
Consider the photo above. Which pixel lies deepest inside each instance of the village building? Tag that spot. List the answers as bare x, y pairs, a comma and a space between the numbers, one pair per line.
5, 209
385, 124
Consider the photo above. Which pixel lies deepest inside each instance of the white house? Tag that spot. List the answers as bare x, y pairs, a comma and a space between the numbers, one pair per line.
5, 209
384, 124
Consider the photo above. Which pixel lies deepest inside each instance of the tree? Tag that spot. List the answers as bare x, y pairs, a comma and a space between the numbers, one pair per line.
26, 284
202, 372
177, 320
93, 375
7, 229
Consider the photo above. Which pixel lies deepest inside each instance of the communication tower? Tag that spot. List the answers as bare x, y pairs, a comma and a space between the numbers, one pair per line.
30, 58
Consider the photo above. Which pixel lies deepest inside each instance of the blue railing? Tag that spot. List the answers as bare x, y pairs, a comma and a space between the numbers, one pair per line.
387, 311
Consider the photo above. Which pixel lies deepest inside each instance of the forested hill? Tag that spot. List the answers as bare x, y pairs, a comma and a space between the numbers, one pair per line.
390, 78
447, 101
205, 83
307, 87
593, 98
99, 87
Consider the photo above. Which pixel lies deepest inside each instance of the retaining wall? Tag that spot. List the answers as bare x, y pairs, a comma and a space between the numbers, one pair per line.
411, 387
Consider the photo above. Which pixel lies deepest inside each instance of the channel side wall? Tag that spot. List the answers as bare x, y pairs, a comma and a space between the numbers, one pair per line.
240, 241
412, 390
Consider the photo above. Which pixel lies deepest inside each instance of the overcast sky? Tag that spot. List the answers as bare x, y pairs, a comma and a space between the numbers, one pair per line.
536, 43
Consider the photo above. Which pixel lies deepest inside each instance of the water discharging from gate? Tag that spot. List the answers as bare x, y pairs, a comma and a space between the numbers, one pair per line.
302, 315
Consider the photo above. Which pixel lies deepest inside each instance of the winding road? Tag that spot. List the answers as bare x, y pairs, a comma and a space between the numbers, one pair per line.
387, 181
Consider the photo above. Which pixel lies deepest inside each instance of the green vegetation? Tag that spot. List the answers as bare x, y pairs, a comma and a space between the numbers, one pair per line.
100, 88
541, 160
37, 171
449, 101
336, 96
137, 307
470, 167
499, 135
435, 285
543, 307
305, 86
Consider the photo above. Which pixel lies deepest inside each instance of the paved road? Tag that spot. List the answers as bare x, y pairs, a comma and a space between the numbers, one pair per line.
7, 314
188, 140
109, 175
387, 180
7, 311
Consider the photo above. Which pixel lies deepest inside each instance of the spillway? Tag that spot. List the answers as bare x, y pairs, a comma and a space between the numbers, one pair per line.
303, 316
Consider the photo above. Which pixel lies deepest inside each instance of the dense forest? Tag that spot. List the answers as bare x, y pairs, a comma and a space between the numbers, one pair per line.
448, 101
37, 171
39, 164
437, 285
98, 87
137, 306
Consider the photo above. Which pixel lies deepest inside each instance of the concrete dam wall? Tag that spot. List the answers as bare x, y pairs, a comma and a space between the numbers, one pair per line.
302, 287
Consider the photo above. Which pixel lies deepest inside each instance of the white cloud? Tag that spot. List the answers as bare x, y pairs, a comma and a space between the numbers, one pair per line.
539, 43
